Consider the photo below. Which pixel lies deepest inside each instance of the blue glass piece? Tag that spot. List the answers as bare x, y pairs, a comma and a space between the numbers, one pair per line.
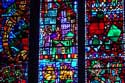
7, 3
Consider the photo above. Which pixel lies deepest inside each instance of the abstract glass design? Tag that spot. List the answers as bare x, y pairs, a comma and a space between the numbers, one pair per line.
14, 32
105, 38
58, 42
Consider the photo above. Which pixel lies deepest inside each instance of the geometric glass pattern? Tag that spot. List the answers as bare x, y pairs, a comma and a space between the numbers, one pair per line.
104, 41
58, 41
14, 32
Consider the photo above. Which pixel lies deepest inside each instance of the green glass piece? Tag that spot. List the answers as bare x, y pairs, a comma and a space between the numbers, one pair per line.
69, 34
46, 81
53, 50
69, 81
67, 50
9, 9
107, 45
17, 73
55, 42
49, 81
67, 42
114, 33
95, 41
100, 14
115, 1
53, 81
94, 63
107, 42
103, 79
120, 65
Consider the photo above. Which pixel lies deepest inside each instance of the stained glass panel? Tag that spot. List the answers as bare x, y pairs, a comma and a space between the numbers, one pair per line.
58, 44
104, 45
14, 25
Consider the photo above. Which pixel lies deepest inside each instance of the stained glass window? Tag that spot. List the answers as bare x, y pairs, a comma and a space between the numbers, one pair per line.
14, 25
58, 44
104, 45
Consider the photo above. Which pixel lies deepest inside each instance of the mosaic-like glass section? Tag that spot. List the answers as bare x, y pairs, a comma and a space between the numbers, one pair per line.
105, 38
58, 43
14, 25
